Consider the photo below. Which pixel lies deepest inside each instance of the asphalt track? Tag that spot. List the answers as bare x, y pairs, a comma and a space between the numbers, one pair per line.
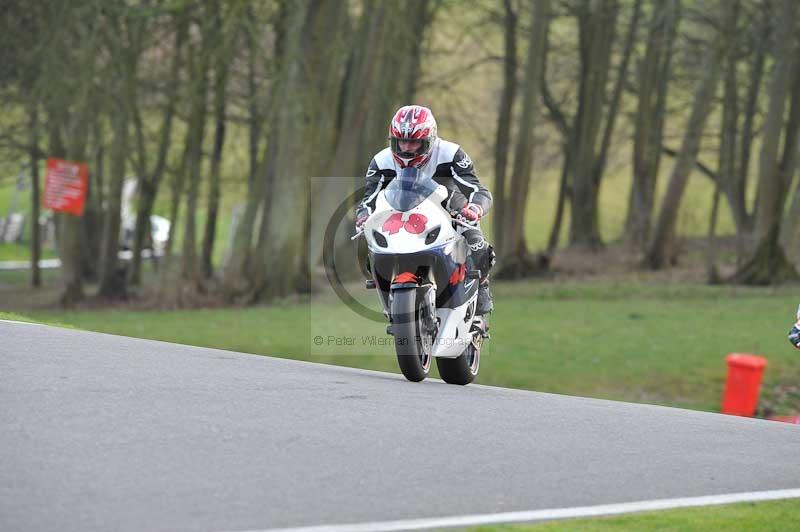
100, 432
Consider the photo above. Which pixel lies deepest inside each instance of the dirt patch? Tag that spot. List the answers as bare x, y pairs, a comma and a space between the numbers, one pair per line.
779, 399
618, 263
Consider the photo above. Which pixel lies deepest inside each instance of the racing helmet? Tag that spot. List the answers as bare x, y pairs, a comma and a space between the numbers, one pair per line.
412, 122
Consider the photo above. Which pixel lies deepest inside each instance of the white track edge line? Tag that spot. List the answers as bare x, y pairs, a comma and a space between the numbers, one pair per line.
547, 514
21, 322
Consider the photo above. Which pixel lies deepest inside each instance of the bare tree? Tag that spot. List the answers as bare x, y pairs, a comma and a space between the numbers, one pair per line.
280, 239
33, 162
237, 273
224, 46
360, 93
199, 65
652, 86
150, 176
597, 29
727, 146
68, 91
514, 260
660, 248
124, 37
790, 230
768, 263
502, 143
759, 38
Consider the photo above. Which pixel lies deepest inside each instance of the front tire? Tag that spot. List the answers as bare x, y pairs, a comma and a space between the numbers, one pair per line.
412, 342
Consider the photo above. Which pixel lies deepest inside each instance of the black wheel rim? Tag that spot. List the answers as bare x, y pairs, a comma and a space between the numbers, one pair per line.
425, 340
474, 359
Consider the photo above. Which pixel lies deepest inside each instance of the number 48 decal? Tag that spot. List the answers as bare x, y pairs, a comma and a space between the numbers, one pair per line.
414, 225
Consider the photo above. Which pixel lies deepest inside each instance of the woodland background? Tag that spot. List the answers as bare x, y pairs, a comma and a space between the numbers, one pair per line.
635, 125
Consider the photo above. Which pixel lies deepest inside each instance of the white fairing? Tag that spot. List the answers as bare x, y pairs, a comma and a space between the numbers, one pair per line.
454, 334
403, 241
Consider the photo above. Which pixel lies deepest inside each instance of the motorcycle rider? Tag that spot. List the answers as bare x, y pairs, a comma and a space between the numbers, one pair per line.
794, 333
413, 142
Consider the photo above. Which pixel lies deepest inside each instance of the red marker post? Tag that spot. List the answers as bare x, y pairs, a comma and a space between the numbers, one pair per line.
65, 186
743, 384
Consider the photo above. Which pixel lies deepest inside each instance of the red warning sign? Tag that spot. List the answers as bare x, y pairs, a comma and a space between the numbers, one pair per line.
65, 185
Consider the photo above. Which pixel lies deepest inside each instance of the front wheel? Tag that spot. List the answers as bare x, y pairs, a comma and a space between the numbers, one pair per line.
413, 339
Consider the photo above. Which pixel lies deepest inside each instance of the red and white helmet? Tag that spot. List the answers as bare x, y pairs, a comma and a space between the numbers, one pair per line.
412, 122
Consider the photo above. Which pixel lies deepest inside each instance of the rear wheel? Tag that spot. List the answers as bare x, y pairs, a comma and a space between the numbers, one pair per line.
413, 337
462, 369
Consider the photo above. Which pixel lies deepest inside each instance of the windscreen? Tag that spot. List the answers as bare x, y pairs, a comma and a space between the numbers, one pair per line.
409, 189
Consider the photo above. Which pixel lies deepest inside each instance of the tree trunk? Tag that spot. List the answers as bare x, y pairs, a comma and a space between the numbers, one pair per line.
559, 119
769, 263
213, 191
190, 268
68, 227
727, 173
224, 58
653, 83
360, 93
176, 193
421, 16
502, 143
237, 274
112, 284
730, 115
69, 242
712, 274
770, 188
751, 108
514, 261
94, 212
33, 157
616, 95
660, 249
69, 251
790, 230
280, 240
555, 231
727, 148
149, 181
359, 97
597, 24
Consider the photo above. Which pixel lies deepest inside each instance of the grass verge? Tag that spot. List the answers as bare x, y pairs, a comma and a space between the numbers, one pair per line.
773, 516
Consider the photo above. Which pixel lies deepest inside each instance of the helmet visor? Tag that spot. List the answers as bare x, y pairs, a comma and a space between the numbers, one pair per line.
409, 148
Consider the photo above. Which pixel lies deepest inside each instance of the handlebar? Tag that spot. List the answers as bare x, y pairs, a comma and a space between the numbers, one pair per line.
460, 220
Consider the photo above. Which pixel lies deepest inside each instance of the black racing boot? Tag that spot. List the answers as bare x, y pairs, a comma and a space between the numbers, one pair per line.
484, 305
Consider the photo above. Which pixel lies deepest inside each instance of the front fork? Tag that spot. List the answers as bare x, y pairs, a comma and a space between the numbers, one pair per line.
426, 293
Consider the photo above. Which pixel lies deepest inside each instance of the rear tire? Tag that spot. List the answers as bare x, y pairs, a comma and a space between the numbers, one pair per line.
410, 339
462, 369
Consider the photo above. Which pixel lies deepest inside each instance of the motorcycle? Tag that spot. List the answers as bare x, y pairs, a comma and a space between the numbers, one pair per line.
424, 276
